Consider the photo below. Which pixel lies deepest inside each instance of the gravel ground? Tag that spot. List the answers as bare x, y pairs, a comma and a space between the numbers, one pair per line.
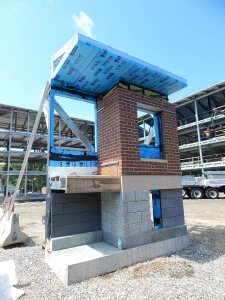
195, 273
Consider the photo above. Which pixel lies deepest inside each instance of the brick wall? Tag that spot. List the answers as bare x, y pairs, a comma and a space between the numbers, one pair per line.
118, 134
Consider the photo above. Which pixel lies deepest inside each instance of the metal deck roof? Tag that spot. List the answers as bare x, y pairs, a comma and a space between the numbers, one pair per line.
94, 68
214, 89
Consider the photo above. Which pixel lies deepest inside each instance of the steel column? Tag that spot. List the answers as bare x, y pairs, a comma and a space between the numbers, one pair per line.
29, 146
28, 130
199, 137
9, 152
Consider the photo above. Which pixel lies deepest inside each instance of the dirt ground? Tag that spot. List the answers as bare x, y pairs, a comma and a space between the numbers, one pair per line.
30, 217
205, 220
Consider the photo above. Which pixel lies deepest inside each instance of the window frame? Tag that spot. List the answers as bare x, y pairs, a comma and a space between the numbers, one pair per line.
154, 152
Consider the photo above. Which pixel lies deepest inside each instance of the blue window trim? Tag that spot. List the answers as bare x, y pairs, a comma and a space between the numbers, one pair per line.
153, 151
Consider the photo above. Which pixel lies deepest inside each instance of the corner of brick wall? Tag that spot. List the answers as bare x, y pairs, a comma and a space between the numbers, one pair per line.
118, 134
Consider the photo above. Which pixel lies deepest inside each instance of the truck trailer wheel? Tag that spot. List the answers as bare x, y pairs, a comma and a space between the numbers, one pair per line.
212, 193
196, 193
183, 193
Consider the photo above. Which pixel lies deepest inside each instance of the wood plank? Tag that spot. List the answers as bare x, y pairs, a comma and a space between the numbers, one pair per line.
109, 170
92, 184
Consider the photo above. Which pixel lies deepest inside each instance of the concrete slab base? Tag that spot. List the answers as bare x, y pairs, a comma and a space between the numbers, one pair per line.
83, 262
74, 240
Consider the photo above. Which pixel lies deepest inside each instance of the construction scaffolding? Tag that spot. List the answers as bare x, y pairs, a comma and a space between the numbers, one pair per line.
201, 130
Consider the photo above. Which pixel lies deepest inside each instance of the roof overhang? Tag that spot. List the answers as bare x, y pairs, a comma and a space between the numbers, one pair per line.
94, 68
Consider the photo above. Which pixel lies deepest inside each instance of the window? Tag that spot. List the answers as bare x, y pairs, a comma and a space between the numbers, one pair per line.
156, 210
149, 134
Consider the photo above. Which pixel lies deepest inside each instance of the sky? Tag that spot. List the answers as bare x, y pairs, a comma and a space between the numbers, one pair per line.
185, 37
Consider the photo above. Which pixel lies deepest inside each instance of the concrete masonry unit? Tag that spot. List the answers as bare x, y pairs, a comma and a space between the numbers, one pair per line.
118, 220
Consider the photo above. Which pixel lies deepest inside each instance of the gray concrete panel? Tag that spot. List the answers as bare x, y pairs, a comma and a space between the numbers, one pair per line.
110, 260
167, 233
81, 228
173, 202
75, 213
172, 211
138, 240
82, 206
76, 218
173, 193
173, 221
57, 209
75, 240
71, 198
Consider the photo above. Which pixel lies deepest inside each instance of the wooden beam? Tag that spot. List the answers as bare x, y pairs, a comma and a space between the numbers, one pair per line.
93, 184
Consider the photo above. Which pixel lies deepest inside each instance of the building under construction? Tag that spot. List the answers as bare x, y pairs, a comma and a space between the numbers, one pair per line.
200, 124
16, 125
201, 130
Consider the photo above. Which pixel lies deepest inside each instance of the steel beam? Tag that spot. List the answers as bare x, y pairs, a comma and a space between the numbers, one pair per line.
9, 153
199, 138
26, 169
29, 146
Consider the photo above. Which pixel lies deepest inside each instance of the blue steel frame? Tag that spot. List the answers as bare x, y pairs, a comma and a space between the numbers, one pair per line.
60, 157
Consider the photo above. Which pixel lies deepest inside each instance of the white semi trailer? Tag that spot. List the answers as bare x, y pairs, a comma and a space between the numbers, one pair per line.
201, 187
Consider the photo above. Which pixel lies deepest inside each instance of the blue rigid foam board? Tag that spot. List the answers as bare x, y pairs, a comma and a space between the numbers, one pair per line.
94, 68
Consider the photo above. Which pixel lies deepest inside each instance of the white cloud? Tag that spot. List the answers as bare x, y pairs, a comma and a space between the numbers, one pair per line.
84, 22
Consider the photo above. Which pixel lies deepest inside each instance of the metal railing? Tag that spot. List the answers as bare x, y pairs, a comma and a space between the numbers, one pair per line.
215, 113
209, 161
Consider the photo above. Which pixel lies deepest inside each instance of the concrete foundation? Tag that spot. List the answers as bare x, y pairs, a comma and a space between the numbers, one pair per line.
74, 240
97, 233
80, 263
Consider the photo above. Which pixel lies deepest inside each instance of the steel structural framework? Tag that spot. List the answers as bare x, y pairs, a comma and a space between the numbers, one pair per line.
16, 125
201, 130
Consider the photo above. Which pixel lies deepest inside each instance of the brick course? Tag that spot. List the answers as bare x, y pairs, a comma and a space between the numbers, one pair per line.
118, 134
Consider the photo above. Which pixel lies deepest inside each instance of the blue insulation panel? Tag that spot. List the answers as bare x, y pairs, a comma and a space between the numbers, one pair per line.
147, 151
157, 215
94, 68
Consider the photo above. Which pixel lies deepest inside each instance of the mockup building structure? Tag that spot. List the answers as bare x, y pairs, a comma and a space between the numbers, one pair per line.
117, 200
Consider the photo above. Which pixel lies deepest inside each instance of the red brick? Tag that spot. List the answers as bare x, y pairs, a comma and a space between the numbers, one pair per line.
118, 134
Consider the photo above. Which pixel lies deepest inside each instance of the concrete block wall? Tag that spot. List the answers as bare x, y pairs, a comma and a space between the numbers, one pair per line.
172, 208
118, 133
74, 213
112, 211
137, 219
126, 216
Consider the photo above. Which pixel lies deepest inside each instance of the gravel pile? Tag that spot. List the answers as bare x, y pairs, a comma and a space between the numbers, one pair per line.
194, 273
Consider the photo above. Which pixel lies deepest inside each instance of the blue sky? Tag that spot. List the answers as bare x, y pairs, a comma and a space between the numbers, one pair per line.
185, 37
